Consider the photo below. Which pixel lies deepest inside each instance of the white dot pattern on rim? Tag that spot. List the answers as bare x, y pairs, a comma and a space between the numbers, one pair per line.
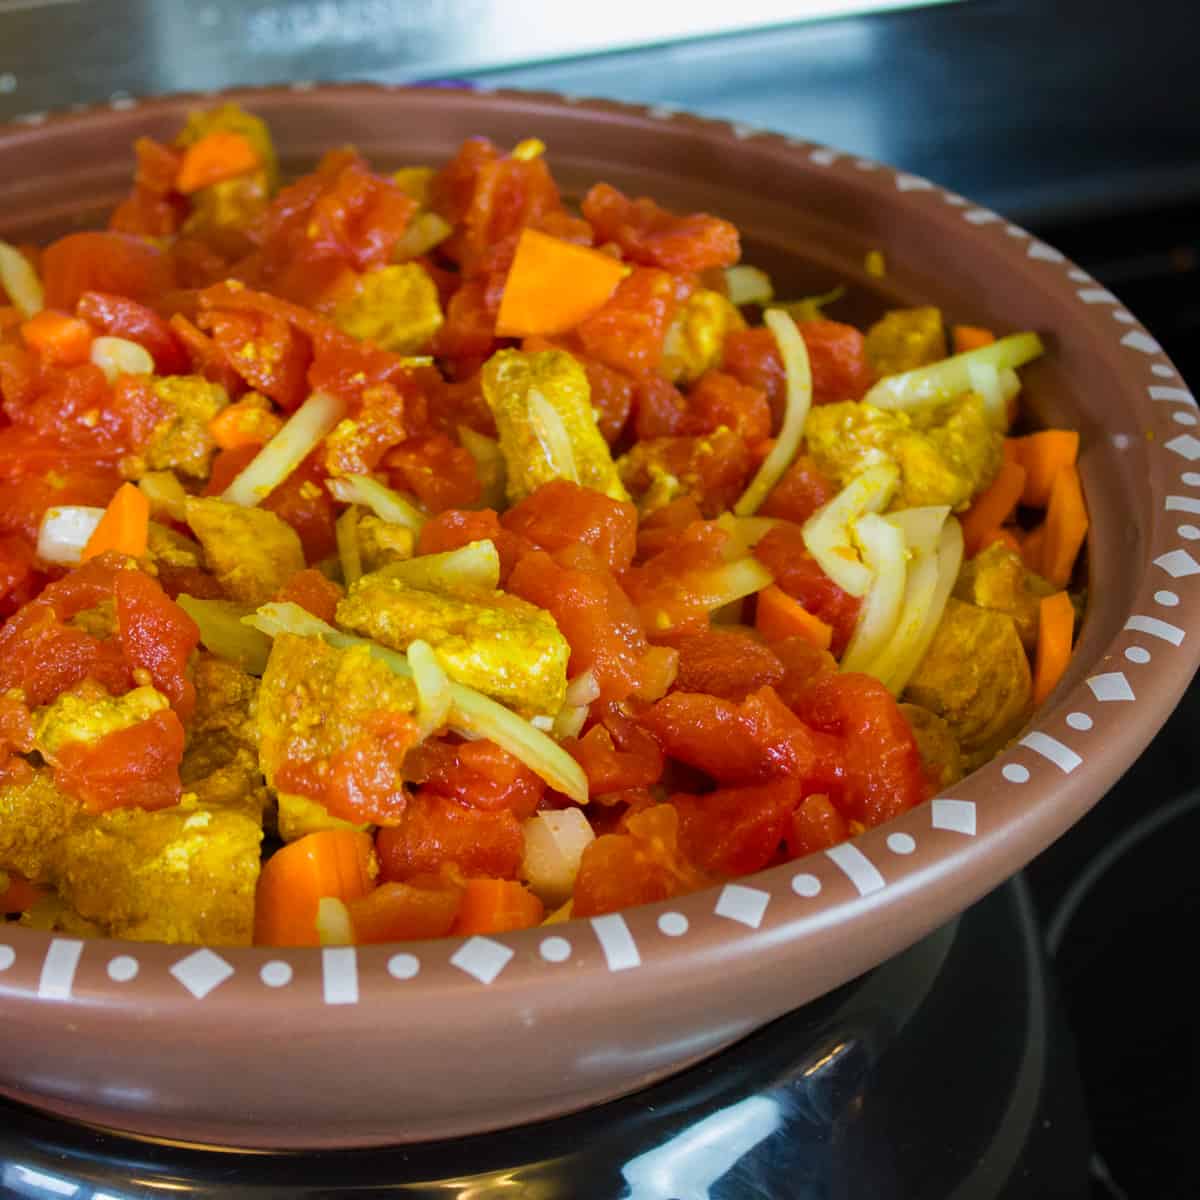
1185, 418
673, 924
806, 885
1080, 721
8, 956
1166, 599
901, 843
276, 973
404, 966
555, 949
1138, 654
123, 968
1015, 773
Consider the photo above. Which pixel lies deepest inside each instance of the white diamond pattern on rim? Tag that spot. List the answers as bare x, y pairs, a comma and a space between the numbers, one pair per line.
482, 958
1185, 445
955, 816
1112, 685
745, 904
202, 971
1178, 564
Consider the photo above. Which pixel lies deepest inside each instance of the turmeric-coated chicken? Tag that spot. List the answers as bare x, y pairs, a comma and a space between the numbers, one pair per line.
395, 307
541, 402
497, 644
945, 457
251, 551
904, 339
975, 676
998, 578
696, 336
181, 441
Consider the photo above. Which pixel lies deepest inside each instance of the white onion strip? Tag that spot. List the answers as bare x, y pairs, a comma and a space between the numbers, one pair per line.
20, 281
386, 504
472, 714
798, 374
827, 533
65, 531
345, 531
300, 435
475, 567
548, 427
949, 560
942, 381
884, 552
117, 356
748, 285
434, 696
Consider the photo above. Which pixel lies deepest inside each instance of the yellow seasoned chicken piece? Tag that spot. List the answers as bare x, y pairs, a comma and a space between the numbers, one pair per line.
395, 307
382, 542
315, 701
542, 406
181, 441
697, 334
232, 204
975, 676
180, 874
497, 644
88, 713
936, 744
945, 457
251, 551
998, 578
905, 338
34, 818
166, 547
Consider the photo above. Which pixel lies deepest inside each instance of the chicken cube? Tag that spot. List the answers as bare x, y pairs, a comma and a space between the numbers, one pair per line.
696, 336
382, 542
975, 676
315, 701
181, 441
945, 457
497, 644
905, 338
998, 578
34, 818
88, 713
251, 551
541, 402
938, 747
395, 307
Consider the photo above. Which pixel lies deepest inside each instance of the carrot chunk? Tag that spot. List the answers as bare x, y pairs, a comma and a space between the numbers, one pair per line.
496, 905
1056, 627
217, 156
1066, 527
552, 285
971, 337
1042, 454
993, 506
779, 616
125, 526
60, 339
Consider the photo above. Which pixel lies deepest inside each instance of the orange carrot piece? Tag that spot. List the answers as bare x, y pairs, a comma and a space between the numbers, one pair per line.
1032, 545
217, 156
1056, 628
125, 526
1043, 454
1066, 527
337, 863
1005, 536
243, 424
422, 907
20, 895
552, 285
971, 337
992, 507
497, 905
780, 616
59, 338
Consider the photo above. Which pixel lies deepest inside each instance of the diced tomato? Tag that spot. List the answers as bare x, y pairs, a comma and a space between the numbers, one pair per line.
455, 527
561, 514
266, 351
718, 399
479, 774
437, 830
714, 468
104, 262
837, 356
661, 409
137, 767
156, 636
616, 753
659, 586
628, 332
20, 578
882, 774
801, 491
815, 825
653, 236
424, 907
785, 554
118, 316
660, 529
735, 831
469, 329
24, 500
803, 664
725, 662
314, 592
441, 473
206, 357
639, 866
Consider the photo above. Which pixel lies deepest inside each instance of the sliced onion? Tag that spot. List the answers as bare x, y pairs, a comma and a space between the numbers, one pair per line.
798, 373
422, 233
434, 694
334, 926
349, 554
748, 285
919, 592
998, 387
922, 527
167, 496
475, 566
942, 381
20, 281
583, 689
64, 532
949, 560
473, 715
723, 585
827, 533
554, 844
886, 556
300, 435
223, 631
386, 504
551, 432
117, 356
744, 533
570, 720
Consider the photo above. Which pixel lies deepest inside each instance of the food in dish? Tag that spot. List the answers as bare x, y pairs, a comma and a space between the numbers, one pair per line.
400, 555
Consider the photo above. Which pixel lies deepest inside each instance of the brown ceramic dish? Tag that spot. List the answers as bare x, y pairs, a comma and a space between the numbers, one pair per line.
344, 1046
